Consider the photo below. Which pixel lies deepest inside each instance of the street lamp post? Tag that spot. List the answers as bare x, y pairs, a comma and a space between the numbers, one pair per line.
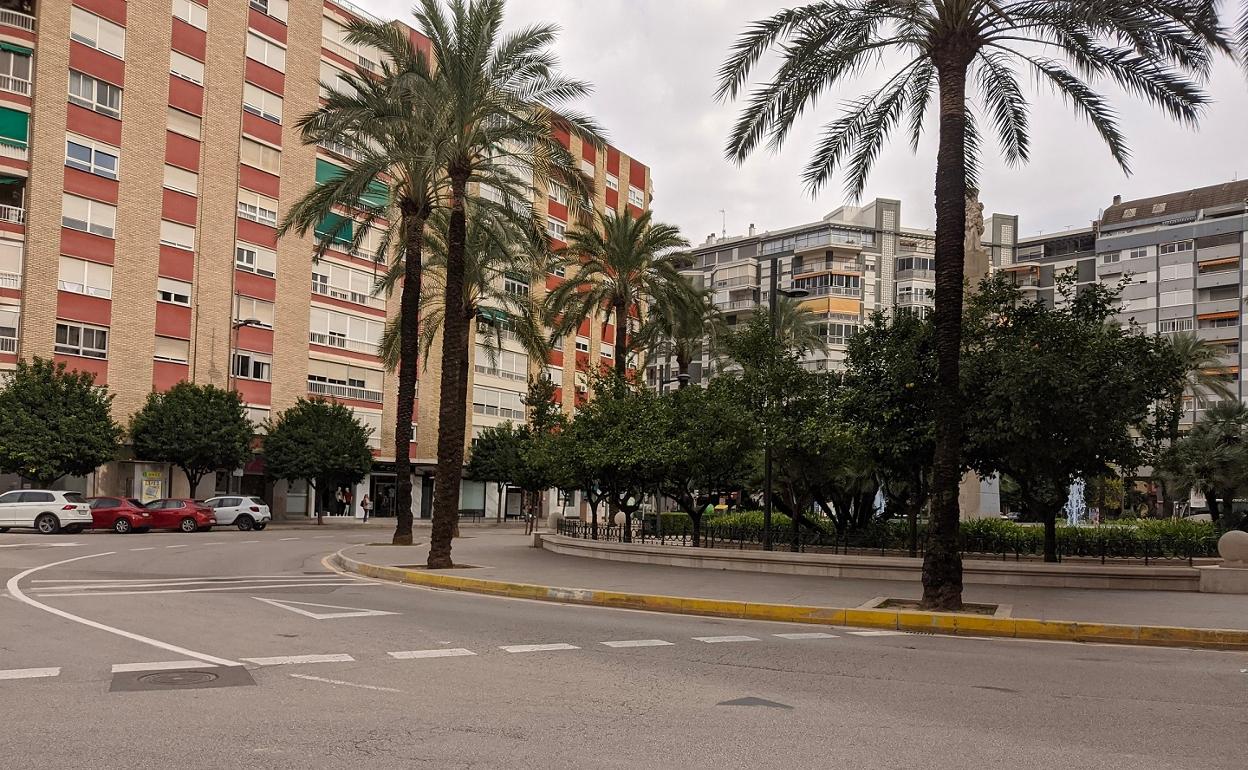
772, 295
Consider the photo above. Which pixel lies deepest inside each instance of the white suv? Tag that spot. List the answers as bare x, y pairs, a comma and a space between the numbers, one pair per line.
45, 510
243, 512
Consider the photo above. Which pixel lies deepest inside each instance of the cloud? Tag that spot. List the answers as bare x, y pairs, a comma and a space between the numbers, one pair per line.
653, 64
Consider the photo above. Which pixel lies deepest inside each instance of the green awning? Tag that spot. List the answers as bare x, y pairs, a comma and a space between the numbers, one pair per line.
14, 126
336, 228
326, 171
377, 195
8, 180
492, 314
15, 48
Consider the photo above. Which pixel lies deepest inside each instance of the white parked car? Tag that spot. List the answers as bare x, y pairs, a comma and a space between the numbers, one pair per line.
45, 510
243, 512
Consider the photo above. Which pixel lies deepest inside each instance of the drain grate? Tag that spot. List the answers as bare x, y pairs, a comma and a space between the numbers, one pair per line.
189, 679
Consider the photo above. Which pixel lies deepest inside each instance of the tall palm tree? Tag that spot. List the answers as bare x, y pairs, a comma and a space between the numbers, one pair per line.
1160, 50
496, 98
384, 123
622, 264
797, 326
681, 331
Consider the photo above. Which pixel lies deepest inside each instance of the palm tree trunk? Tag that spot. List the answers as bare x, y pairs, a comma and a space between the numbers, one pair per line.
621, 338
409, 346
452, 409
942, 563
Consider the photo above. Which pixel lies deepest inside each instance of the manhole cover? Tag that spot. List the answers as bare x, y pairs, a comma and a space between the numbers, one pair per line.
179, 678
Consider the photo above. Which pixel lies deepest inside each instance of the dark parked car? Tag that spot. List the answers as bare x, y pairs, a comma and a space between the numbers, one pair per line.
122, 515
186, 515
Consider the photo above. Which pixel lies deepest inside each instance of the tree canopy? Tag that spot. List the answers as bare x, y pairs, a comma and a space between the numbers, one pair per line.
317, 441
199, 428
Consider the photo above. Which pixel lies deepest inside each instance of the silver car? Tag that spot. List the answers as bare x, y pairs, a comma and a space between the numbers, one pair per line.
241, 511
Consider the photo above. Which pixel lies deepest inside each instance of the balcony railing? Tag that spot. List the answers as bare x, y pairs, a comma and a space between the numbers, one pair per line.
496, 372
834, 291
345, 295
14, 214
738, 304
744, 280
14, 85
824, 265
10, 280
17, 19
8, 345
14, 150
339, 148
343, 391
343, 343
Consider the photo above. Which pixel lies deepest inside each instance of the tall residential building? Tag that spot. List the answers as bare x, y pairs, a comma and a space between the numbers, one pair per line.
148, 150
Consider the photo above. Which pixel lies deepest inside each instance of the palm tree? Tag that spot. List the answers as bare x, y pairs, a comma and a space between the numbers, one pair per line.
495, 97
797, 326
1213, 458
1241, 41
383, 124
681, 330
1157, 49
621, 265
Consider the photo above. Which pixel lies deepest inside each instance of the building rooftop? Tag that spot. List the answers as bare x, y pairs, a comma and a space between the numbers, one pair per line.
1213, 196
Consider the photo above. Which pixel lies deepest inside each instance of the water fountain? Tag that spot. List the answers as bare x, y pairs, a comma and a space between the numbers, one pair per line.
1076, 509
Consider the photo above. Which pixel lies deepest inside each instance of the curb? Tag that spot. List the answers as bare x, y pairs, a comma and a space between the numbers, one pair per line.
954, 624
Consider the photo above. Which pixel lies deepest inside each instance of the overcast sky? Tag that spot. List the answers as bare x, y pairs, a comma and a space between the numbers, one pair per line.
653, 64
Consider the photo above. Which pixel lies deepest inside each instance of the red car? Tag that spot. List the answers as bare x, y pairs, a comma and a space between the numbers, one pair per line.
122, 515
186, 515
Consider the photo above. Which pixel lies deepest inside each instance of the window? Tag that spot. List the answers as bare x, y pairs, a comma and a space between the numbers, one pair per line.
86, 91
184, 123
82, 277
1110, 257
497, 403
348, 332
606, 350
170, 349
10, 260
636, 197
250, 308
1173, 272
253, 366
91, 156
582, 345
1172, 298
260, 156
555, 375
329, 378
181, 180
837, 333
1138, 253
1128, 213
260, 102
556, 229
257, 208
507, 364
1219, 323
915, 263
517, 285
192, 13
177, 235
343, 283
8, 329
613, 182
1174, 248
80, 340
255, 259
1159, 208
15, 71
186, 68
173, 292
558, 193
88, 216
266, 52
831, 283
1174, 325
100, 34
275, 8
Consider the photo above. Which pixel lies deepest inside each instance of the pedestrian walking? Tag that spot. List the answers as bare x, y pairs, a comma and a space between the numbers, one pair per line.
367, 506
339, 499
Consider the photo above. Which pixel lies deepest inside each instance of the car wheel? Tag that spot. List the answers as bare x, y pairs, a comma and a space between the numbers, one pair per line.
123, 527
188, 525
261, 525
245, 522
47, 524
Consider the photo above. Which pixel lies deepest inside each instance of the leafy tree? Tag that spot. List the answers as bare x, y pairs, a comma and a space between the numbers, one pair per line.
54, 422
623, 263
495, 456
1213, 458
319, 442
712, 444
391, 176
498, 100
890, 380
1034, 410
199, 428
1161, 51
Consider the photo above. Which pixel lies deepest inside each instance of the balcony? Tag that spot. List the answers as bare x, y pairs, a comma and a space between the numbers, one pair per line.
8, 345
338, 148
343, 391
13, 214
14, 150
829, 265
10, 16
748, 281
356, 297
503, 373
737, 304
342, 343
1213, 279
14, 85
10, 280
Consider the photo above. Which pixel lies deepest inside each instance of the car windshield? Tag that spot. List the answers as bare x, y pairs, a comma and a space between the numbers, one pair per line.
153, 504
74, 497
257, 501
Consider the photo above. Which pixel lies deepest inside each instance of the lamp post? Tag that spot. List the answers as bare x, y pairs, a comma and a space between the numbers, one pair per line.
772, 295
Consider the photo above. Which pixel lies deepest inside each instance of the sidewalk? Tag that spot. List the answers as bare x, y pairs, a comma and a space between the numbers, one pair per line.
386, 525
508, 556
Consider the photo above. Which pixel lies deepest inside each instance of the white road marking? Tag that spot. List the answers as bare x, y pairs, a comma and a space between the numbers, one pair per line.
344, 684
184, 545
877, 633
29, 673
416, 654
537, 647
639, 643
359, 583
249, 541
169, 665
721, 639
15, 590
41, 545
315, 576
808, 635
214, 542
149, 548
351, 612
285, 660
182, 582
288, 538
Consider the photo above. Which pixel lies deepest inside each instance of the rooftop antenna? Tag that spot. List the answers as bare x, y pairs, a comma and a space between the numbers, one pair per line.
723, 228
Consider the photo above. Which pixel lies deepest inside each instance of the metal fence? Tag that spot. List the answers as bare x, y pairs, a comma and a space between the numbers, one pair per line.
1103, 545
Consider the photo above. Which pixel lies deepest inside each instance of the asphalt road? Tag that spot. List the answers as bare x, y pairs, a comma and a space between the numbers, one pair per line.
342, 672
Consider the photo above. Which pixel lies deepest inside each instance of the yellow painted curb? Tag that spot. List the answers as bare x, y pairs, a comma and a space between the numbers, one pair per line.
901, 620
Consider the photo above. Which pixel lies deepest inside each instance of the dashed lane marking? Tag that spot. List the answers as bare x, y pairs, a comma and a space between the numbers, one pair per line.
287, 660
29, 673
537, 647
344, 684
168, 665
149, 548
721, 639
184, 545
639, 643
807, 635
288, 538
418, 654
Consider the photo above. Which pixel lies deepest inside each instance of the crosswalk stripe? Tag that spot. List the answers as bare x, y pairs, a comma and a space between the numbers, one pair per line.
639, 643
719, 639
188, 582
30, 673
807, 635
314, 576
537, 647
416, 654
283, 660
169, 665
878, 633
261, 587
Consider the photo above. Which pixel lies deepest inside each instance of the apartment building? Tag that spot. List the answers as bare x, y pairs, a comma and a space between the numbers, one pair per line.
148, 150
1040, 260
